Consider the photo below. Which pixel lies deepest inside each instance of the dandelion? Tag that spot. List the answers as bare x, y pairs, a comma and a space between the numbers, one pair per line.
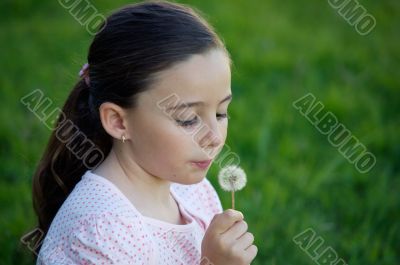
232, 178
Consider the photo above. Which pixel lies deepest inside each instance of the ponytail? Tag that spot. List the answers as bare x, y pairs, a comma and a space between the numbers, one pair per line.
77, 143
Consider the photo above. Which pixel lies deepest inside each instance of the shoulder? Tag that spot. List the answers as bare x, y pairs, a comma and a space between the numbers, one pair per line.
93, 196
95, 225
200, 199
96, 239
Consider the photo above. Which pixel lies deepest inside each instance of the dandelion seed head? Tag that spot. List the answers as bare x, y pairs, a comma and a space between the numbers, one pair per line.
232, 178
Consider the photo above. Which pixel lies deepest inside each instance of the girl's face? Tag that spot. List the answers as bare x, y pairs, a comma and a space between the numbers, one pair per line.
182, 119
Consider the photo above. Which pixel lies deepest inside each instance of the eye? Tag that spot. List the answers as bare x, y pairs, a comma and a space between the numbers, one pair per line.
187, 123
222, 116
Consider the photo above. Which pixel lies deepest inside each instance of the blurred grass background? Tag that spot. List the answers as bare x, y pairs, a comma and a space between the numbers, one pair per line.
281, 50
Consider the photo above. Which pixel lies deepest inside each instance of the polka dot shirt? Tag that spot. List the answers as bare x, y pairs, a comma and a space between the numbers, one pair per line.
97, 224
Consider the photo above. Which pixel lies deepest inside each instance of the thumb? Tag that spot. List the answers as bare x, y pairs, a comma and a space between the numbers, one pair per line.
223, 221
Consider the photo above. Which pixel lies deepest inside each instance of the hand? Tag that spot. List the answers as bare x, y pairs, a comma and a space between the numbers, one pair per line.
227, 241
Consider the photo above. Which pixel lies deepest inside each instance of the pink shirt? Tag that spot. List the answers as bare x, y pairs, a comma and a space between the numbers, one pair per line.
97, 224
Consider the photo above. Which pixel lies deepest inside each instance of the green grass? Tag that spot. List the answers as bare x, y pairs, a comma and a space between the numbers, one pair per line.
281, 50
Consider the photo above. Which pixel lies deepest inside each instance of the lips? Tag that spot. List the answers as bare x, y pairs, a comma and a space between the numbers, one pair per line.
202, 164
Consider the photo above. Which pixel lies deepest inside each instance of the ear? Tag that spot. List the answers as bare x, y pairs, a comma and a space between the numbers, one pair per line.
113, 119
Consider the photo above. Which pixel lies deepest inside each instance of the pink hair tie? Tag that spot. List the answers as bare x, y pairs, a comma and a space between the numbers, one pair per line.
84, 72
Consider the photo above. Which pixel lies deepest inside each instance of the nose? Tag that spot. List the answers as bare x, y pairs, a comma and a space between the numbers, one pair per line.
213, 137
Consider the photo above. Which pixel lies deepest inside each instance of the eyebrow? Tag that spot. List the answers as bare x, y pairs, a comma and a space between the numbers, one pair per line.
197, 103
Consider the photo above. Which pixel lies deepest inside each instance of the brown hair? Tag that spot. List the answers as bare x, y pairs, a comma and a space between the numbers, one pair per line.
134, 43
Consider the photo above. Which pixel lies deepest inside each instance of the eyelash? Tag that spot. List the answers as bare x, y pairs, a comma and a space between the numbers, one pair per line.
193, 121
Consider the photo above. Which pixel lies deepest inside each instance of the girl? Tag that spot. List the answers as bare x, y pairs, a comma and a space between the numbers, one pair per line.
122, 180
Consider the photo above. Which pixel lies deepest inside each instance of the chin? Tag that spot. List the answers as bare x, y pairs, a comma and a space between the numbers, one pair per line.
192, 178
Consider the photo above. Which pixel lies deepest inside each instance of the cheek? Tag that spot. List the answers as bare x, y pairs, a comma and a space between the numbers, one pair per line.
163, 146
165, 151
169, 157
224, 129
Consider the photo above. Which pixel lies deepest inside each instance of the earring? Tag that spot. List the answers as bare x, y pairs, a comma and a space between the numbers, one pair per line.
123, 138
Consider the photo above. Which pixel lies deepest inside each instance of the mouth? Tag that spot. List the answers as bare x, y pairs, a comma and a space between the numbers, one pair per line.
201, 164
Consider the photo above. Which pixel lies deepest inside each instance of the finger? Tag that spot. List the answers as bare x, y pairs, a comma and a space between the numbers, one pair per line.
222, 222
237, 230
251, 252
245, 241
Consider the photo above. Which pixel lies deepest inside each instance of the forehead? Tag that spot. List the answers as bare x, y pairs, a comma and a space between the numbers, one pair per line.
204, 77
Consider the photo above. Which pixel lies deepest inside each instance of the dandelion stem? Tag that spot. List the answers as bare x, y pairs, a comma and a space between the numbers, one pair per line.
233, 199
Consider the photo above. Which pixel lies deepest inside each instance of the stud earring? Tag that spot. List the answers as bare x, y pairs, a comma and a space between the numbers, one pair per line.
123, 138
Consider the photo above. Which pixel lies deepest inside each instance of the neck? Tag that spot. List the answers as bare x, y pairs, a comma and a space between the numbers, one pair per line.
137, 184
